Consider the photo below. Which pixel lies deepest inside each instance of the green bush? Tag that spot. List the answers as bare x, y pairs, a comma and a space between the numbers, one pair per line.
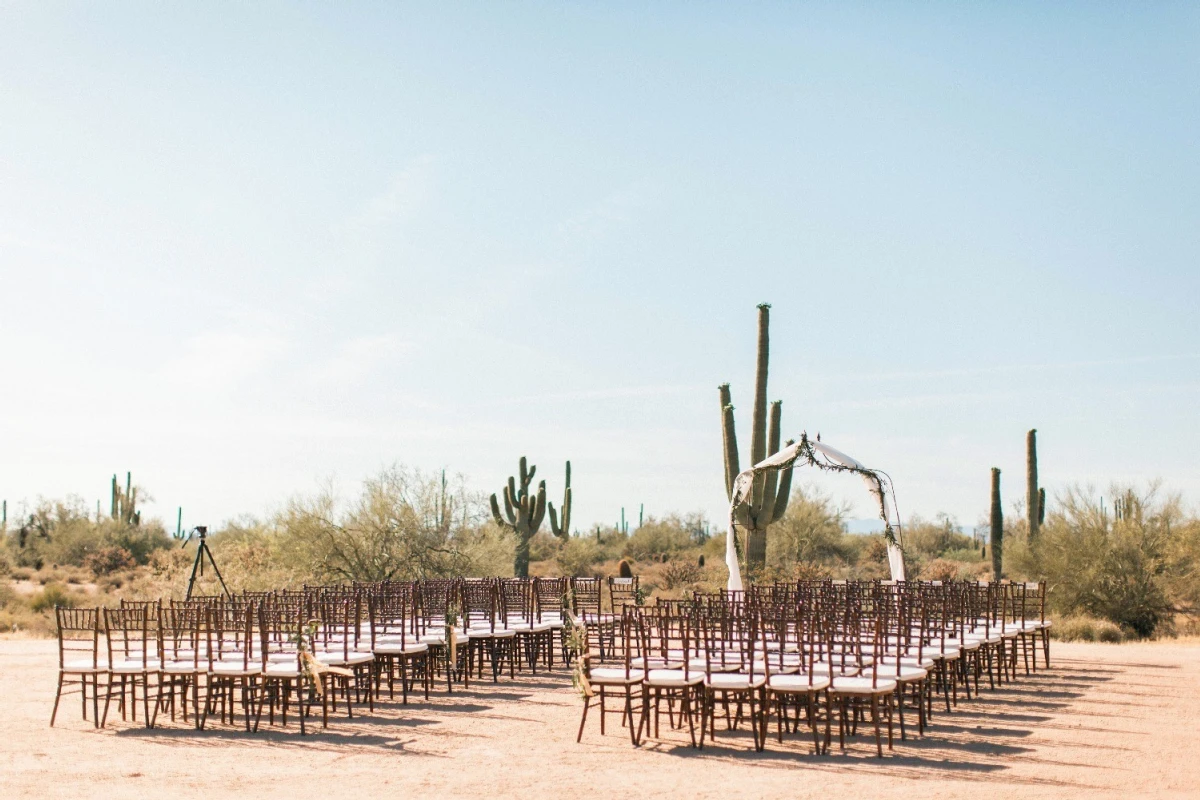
579, 556
939, 569
63, 533
54, 594
657, 537
1119, 570
936, 539
109, 559
810, 533
544, 546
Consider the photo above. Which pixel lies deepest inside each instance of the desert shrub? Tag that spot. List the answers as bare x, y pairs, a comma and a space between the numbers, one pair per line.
934, 539
6, 563
404, 525
489, 550
939, 570
63, 533
659, 537
20, 619
811, 532
966, 555
1101, 567
544, 546
9, 596
1086, 629
680, 573
54, 594
108, 559
578, 557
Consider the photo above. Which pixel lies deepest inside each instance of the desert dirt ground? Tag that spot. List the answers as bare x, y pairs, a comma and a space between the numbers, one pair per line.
1105, 721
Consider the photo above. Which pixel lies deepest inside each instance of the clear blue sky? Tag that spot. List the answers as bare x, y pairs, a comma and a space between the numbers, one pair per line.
244, 248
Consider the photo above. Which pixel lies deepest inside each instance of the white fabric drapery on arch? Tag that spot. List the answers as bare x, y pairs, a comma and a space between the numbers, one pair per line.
821, 456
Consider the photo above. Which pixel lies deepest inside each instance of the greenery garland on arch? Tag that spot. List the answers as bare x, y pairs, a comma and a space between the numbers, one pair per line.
879, 482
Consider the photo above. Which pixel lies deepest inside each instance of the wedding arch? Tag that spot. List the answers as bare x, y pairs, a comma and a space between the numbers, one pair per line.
815, 454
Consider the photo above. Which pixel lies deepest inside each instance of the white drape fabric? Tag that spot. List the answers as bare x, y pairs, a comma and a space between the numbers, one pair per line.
789, 455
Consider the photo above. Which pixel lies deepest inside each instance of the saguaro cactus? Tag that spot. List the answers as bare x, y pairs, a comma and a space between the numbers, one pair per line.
997, 525
124, 504
1033, 494
523, 514
771, 491
563, 531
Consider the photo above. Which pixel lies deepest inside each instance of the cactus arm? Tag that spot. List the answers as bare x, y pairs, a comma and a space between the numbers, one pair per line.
511, 507
766, 514
784, 493
566, 511
496, 511
554, 528
729, 439
758, 417
537, 508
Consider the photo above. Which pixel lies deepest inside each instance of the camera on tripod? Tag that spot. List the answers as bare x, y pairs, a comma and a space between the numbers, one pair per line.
202, 551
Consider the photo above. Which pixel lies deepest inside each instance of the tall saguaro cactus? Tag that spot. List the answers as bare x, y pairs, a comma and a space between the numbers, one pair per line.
771, 491
1034, 495
997, 526
523, 514
124, 504
563, 531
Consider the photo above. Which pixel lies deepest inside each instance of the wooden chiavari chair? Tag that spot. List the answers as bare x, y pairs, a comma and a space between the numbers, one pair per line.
852, 692
487, 634
133, 658
79, 657
395, 644
625, 677
669, 640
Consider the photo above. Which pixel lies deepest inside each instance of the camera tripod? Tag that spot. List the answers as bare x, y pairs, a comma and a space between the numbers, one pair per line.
202, 551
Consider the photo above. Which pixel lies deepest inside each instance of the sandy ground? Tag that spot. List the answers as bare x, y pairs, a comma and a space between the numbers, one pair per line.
1106, 721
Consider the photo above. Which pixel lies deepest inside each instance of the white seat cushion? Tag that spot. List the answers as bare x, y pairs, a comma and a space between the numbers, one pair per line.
906, 672
863, 686
798, 683
135, 667
234, 669
341, 659
397, 649
673, 678
488, 633
282, 670
184, 667
614, 676
734, 681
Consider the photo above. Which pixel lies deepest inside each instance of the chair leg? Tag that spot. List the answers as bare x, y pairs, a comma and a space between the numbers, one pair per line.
107, 700
587, 701
58, 696
875, 722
